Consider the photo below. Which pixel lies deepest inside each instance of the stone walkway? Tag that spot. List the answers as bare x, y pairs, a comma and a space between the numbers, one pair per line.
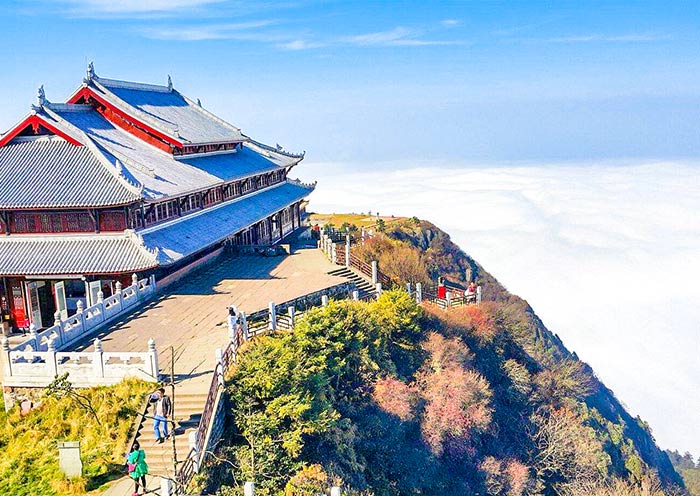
190, 318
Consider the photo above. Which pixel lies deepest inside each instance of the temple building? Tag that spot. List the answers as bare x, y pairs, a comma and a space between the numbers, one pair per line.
128, 178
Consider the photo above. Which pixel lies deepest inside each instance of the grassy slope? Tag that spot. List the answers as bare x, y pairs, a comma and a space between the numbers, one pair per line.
28, 451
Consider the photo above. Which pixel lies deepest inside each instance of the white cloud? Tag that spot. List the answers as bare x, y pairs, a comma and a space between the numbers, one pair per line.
399, 36
300, 45
88, 7
607, 255
450, 22
244, 31
597, 38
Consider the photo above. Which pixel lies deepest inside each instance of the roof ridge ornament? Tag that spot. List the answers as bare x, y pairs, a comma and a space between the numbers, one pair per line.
90, 72
199, 102
40, 97
170, 83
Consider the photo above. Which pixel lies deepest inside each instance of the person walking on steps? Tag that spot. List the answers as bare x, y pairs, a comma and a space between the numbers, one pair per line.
136, 463
160, 418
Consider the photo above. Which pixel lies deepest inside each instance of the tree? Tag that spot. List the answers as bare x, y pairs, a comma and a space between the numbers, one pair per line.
395, 397
563, 380
310, 480
61, 387
567, 453
456, 399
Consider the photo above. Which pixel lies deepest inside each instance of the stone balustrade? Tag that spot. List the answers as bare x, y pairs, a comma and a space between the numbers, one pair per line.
76, 327
88, 368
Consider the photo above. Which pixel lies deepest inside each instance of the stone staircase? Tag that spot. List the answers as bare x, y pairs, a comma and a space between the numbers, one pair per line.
363, 285
188, 411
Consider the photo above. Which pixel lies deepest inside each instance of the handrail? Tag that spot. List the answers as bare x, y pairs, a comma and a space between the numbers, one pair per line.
140, 417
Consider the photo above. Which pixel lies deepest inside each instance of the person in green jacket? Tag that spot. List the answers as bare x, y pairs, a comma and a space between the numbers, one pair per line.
138, 468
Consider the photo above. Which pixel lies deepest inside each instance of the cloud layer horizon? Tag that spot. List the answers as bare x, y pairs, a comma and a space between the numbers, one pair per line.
607, 256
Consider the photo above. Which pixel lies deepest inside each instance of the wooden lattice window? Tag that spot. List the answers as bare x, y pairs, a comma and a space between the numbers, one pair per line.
112, 221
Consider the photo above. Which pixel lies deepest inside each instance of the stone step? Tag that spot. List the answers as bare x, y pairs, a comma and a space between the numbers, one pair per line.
149, 438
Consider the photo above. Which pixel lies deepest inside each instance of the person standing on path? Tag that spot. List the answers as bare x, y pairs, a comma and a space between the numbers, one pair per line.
136, 463
232, 320
160, 419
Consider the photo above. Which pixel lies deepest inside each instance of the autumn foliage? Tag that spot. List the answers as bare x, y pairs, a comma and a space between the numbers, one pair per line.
395, 397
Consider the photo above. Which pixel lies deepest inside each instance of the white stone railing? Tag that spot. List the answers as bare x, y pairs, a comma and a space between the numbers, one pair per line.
85, 369
76, 327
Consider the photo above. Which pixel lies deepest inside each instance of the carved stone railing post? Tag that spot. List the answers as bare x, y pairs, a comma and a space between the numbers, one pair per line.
347, 250
324, 300
379, 289
375, 272
80, 315
97, 360
355, 295
334, 253
51, 368
101, 304
153, 357
135, 285
34, 336
59, 324
448, 298
118, 290
244, 327
335, 491
478, 294
272, 313
292, 311
419, 293
6, 356
408, 287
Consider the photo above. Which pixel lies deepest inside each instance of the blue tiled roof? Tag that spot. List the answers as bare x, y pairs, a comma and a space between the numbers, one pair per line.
193, 233
52, 173
159, 172
77, 254
170, 111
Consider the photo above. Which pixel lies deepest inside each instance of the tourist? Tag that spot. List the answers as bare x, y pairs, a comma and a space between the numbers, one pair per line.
470, 294
160, 418
232, 321
137, 467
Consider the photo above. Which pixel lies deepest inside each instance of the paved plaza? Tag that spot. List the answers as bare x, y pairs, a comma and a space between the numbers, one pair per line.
190, 316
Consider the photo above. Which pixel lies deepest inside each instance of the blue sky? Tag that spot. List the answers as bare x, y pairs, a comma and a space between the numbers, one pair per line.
367, 81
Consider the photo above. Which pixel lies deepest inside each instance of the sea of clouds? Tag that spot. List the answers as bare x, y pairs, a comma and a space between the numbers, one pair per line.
608, 255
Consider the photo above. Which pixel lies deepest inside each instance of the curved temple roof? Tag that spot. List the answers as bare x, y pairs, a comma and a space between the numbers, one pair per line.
167, 110
48, 172
188, 235
73, 255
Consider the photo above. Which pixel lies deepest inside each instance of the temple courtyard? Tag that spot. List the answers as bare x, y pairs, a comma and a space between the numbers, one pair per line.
189, 317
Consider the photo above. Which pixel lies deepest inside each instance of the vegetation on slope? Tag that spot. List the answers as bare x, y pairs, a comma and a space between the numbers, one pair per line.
689, 470
389, 398
28, 443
